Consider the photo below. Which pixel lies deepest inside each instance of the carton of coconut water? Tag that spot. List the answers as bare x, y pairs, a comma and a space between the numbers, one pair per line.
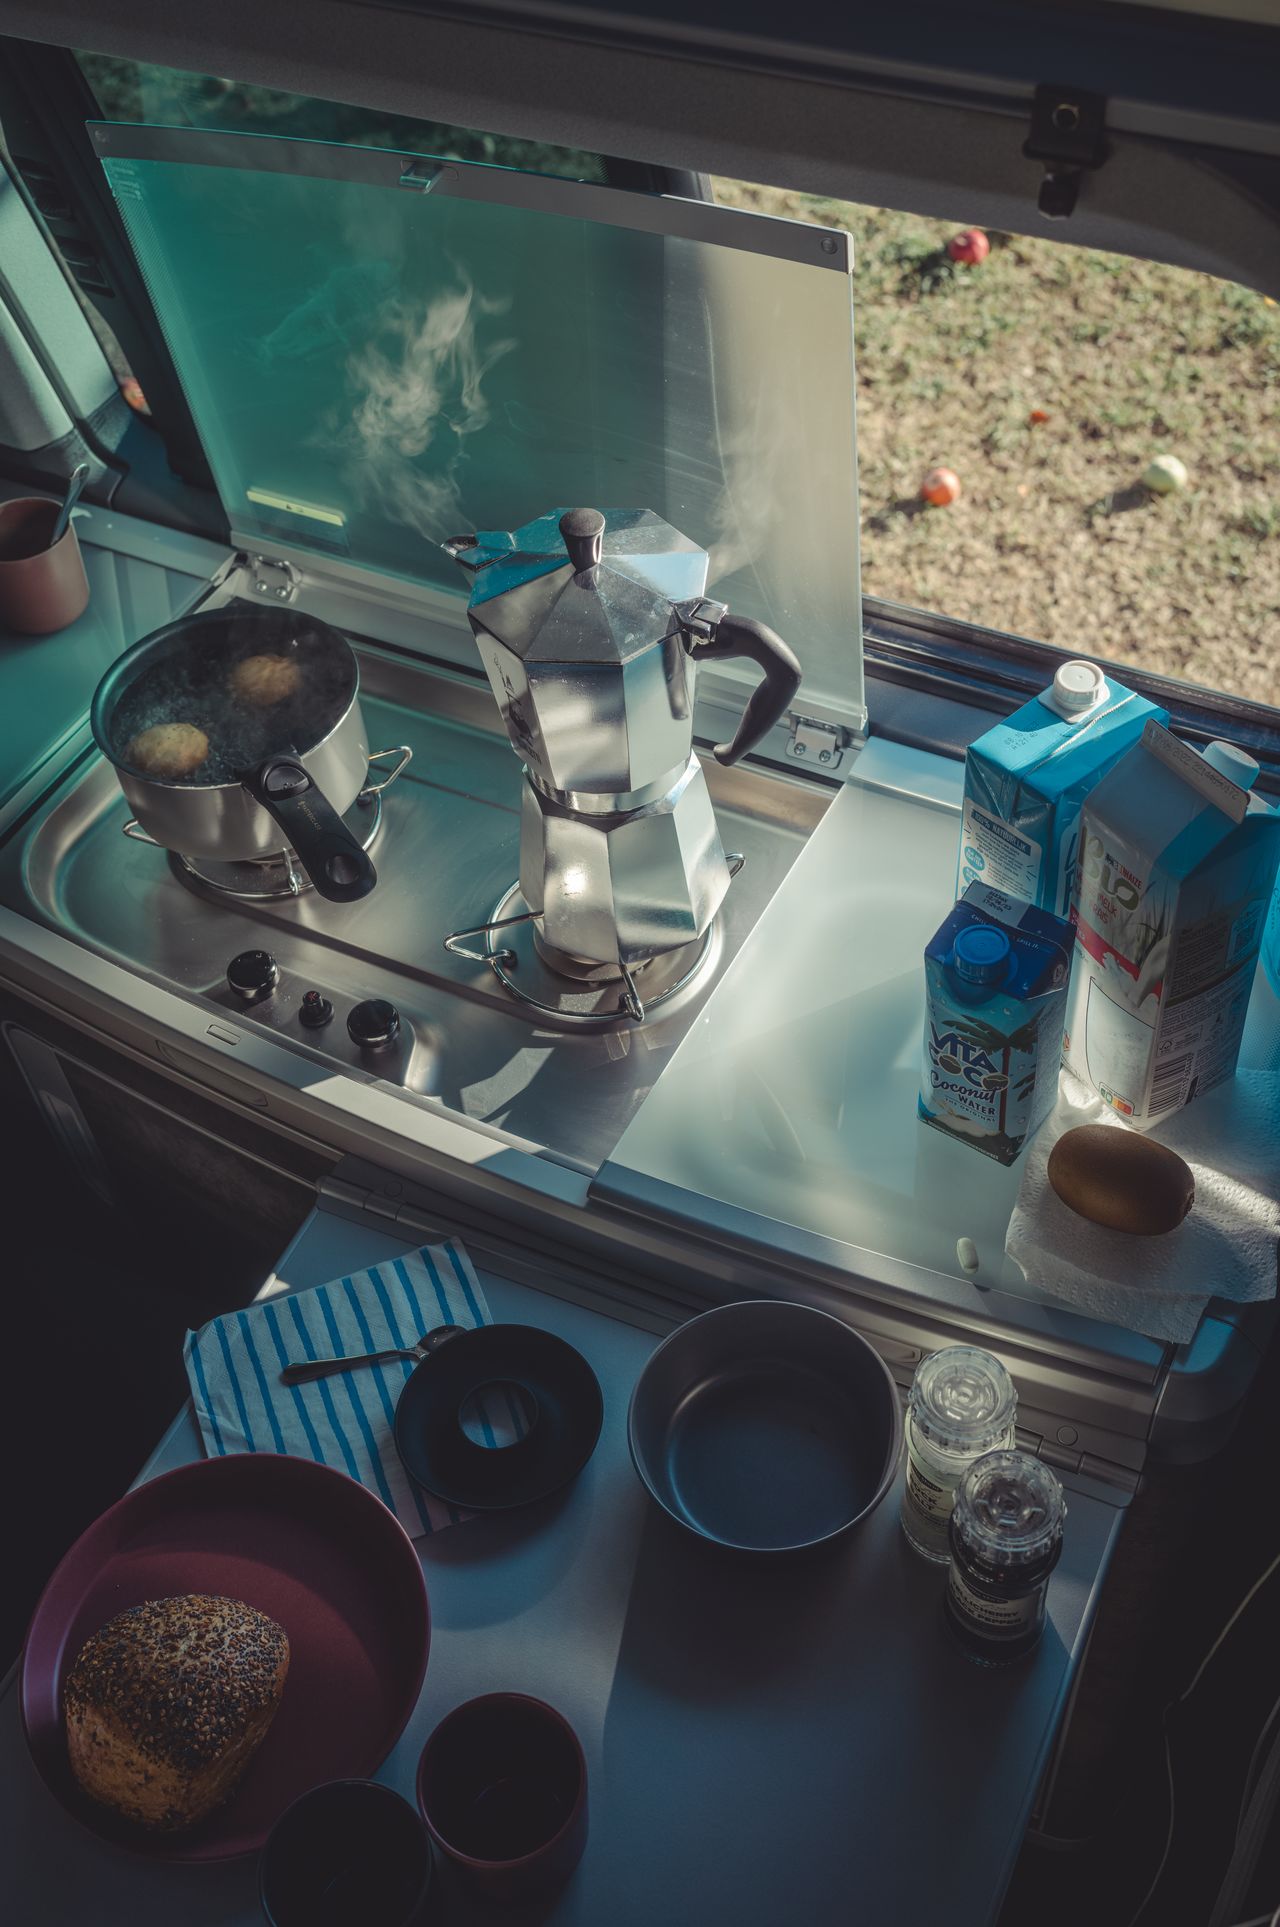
1025, 780
995, 996
1177, 864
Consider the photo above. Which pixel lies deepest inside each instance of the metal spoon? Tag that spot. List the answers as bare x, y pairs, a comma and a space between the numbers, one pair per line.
302, 1374
79, 476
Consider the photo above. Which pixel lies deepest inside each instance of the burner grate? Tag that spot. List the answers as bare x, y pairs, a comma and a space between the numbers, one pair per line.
270, 878
266, 879
513, 953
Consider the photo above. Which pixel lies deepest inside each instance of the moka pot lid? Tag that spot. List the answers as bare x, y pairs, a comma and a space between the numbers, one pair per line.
582, 586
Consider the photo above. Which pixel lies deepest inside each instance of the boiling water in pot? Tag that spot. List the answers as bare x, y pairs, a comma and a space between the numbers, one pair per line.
256, 685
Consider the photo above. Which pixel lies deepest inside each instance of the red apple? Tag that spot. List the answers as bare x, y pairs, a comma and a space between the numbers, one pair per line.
970, 247
940, 487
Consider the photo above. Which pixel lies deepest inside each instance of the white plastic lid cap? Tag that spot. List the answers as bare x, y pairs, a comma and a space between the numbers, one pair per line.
1231, 761
1078, 686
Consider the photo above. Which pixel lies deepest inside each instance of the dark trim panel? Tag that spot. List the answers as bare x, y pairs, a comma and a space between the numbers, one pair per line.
44, 104
803, 118
1168, 74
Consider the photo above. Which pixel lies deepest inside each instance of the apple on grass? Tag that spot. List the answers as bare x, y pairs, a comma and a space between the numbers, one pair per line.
969, 248
940, 488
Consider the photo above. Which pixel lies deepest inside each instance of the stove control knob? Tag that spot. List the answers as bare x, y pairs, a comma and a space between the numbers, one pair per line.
253, 974
374, 1025
316, 1011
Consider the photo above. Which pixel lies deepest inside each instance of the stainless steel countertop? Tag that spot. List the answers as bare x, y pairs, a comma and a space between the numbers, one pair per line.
802, 1742
1105, 1390
447, 849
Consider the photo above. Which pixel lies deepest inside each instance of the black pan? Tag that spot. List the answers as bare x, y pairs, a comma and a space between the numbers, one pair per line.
766, 1427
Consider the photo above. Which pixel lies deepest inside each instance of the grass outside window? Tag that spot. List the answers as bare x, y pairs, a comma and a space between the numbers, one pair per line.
1054, 536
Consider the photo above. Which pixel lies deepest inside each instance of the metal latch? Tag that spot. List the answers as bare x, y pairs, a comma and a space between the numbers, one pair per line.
1068, 133
274, 577
815, 742
421, 175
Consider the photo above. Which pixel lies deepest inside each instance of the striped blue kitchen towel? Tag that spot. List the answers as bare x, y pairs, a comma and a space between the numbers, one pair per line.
234, 1363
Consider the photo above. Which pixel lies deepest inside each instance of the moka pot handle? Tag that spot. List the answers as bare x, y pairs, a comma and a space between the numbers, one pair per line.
741, 636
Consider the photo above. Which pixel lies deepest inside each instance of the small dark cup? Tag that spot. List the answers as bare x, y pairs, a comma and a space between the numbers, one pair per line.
502, 1785
41, 588
351, 1853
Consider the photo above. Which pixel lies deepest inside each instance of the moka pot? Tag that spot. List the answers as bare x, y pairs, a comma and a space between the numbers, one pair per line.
590, 627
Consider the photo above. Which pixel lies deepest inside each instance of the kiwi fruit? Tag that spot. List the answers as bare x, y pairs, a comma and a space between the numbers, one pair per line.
1120, 1180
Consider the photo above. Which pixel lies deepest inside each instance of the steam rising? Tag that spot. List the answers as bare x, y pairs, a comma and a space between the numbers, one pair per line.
416, 390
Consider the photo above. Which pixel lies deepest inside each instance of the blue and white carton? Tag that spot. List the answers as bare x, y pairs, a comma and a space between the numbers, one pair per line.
995, 998
1026, 780
1271, 943
1177, 866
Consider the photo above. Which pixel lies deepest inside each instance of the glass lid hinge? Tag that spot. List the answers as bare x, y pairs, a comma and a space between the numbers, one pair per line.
813, 742
273, 577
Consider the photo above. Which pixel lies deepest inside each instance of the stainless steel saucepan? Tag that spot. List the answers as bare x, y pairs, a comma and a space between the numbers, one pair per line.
766, 1427
238, 734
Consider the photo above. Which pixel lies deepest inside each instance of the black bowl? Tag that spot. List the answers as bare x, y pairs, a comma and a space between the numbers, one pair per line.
350, 1853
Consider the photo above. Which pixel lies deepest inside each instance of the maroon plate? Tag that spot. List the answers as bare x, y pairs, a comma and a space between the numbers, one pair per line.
301, 1542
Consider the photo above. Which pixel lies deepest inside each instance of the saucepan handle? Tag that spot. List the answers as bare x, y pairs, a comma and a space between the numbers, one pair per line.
330, 855
740, 636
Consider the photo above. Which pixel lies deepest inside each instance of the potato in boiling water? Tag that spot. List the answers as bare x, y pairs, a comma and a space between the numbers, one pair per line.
168, 749
262, 681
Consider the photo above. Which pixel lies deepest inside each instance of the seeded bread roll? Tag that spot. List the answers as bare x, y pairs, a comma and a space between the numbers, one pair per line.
167, 1704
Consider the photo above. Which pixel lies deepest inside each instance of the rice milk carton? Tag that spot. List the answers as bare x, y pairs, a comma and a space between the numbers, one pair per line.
1271, 943
1025, 780
1177, 864
995, 997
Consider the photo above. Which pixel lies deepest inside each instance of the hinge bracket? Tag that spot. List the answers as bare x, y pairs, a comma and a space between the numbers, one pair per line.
273, 577
822, 743
1068, 133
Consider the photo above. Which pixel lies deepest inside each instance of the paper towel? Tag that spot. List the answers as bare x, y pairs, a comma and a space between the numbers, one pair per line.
1225, 1248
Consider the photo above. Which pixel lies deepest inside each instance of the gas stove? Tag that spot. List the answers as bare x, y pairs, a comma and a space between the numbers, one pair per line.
410, 987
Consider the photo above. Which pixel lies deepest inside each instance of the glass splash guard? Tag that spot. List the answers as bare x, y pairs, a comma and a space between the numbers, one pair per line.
382, 350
